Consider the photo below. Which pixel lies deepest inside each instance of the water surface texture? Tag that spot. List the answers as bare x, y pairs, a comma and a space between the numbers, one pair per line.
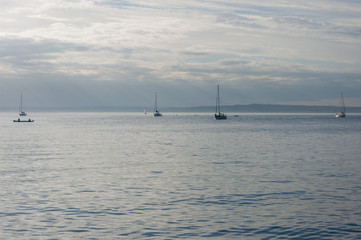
181, 176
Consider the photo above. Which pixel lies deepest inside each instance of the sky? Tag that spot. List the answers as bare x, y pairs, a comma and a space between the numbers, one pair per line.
67, 53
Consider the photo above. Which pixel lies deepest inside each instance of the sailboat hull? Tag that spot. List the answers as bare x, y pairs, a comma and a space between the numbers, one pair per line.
340, 115
220, 116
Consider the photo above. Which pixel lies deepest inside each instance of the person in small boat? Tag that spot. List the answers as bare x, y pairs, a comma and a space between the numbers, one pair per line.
18, 119
29, 120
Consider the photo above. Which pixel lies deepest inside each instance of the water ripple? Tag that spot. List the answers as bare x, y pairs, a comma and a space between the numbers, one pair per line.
129, 176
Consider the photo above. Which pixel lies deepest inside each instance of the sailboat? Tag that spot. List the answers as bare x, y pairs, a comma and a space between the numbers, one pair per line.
156, 111
21, 112
342, 114
218, 115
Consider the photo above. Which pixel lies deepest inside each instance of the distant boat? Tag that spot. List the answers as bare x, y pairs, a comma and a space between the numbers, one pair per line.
342, 114
21, 112
18, 120
218, 115
156, 111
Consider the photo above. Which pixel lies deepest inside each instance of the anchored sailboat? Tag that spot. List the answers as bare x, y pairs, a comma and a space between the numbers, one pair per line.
218, 115
21, 112
342, 114
156, 111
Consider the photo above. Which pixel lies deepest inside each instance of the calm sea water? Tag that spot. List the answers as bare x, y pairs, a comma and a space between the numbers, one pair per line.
133, 176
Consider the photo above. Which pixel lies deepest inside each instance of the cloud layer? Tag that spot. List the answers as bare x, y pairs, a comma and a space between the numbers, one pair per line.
278, 51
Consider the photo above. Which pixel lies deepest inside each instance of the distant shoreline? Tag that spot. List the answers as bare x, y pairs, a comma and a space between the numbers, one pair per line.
250, 108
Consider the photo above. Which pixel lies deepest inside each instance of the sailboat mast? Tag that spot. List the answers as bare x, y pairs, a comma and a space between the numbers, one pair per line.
21, 103
343, 103
155, 104
218, 100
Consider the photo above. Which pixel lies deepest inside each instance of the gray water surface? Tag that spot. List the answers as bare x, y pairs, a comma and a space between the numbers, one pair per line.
133, 176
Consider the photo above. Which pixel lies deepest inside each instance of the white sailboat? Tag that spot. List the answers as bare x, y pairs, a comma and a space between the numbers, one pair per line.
156, 111
218, 115
21, 112
342, 114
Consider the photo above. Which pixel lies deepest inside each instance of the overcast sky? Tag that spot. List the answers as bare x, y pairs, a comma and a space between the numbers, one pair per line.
120, 52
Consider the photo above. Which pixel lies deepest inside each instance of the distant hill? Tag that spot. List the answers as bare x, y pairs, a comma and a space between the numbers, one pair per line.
266, 108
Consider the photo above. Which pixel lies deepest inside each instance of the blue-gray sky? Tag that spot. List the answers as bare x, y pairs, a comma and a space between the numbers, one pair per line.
119, 52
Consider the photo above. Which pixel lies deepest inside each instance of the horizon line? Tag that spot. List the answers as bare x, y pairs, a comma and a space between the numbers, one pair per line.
259, 107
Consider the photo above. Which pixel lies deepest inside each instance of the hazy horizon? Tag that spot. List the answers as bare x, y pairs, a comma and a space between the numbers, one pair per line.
229, 109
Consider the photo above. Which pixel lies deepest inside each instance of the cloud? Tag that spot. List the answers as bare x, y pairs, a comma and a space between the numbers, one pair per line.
187, 44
